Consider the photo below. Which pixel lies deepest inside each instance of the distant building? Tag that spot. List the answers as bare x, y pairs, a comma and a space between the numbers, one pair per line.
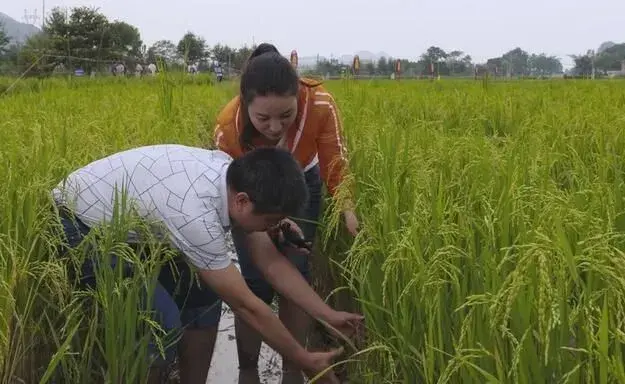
620, 73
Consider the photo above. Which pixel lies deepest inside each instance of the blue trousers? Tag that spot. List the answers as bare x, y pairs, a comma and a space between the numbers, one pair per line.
177, 301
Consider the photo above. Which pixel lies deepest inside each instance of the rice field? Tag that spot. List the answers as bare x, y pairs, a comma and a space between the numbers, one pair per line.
492, 244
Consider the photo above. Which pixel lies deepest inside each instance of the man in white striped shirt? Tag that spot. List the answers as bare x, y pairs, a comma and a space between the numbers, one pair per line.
191, 197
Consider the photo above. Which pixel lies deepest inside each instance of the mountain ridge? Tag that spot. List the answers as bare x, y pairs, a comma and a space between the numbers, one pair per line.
17, 32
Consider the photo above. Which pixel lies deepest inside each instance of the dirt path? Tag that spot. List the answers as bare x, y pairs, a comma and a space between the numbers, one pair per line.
224, 367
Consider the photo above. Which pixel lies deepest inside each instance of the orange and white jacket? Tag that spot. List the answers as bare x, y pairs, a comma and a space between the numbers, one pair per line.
315, 137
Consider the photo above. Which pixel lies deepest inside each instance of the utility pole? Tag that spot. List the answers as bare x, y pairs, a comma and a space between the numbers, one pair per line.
591, 53
594, 70
43, 14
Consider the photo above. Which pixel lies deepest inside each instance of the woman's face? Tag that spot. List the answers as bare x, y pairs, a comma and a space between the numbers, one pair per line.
273, 115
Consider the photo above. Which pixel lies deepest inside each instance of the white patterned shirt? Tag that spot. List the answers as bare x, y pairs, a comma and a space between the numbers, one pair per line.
182, 187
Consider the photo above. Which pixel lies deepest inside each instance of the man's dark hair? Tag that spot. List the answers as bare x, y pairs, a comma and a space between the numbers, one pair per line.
266, 72
272, 179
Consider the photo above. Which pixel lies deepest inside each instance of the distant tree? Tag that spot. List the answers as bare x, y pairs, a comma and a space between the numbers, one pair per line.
454, 63
57, 30
605, 45
125, 41
88, 38
32, 55
454, 55
369, 67
4, 40
543, 65
516, 62
223, 53
583, 64
10, 55
467, 61
333, 67
434, 54
434, 58
390, 65
458, 62
610, 59
420, 68
192, 48
84, 37
240, 57
382, 66
164, 51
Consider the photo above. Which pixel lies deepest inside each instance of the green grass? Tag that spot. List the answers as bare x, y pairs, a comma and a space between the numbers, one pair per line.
492, 214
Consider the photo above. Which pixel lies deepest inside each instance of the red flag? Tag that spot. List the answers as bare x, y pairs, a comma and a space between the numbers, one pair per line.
294, 58
356, 64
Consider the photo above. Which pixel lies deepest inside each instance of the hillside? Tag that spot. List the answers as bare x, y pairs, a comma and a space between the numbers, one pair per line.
17, 32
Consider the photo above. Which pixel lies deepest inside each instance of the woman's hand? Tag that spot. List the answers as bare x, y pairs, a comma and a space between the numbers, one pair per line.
351, 221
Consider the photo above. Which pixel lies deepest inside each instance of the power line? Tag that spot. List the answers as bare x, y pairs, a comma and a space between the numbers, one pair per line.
30, 18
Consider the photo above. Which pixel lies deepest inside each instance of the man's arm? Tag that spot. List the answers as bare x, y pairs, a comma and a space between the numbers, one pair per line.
216, 270
230, 286
284, 277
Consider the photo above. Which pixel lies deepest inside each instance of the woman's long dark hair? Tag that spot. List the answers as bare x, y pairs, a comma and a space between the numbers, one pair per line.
266, 72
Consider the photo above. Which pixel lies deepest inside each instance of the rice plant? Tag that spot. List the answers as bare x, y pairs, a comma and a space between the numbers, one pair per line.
492, 233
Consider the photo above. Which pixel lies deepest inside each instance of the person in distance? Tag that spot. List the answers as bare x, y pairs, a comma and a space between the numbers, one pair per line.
193, 196
276, 108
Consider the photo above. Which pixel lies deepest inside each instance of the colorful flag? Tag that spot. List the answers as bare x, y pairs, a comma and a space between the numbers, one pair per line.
294, 58
356, 64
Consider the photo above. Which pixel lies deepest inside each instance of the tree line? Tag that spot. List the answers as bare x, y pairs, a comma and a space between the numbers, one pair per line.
436, 61
83, 37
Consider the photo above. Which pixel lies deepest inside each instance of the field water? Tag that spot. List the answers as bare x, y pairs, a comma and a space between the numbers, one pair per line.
224, 365
492, 243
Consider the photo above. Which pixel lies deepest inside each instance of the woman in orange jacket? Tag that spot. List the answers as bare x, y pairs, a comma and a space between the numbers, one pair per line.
277, 108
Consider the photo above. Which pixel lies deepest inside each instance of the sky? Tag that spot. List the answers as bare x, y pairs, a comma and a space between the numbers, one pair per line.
401, 28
